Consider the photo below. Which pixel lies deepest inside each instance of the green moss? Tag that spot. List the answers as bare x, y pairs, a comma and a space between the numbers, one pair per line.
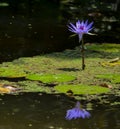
49, 78
114, 78
105, 47
81, 89
31, 86
11, 72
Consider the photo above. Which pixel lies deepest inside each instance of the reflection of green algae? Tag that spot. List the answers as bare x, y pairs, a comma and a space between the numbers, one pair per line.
49, 78
81, 89
114, 78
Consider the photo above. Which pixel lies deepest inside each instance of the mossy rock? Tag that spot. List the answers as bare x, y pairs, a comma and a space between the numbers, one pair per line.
114, 78
49, 78
11, 73
81, 89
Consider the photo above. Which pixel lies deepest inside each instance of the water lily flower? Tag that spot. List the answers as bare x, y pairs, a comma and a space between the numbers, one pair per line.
77, 112
81, 28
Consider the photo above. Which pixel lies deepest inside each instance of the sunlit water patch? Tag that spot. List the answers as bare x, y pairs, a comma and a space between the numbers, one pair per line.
42, 111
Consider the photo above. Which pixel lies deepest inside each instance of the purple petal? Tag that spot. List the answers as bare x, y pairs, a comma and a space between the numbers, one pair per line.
82, 23
86, 22
89, 29
81, 27
86, 113
73, 26
70, 28
89, 26
77, 24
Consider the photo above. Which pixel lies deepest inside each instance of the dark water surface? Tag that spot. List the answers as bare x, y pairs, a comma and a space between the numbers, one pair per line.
28, 30
34, 27
42, 111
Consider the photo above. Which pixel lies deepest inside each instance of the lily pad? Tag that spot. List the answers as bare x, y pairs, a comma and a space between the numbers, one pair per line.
81, 89
114, 78
49, 78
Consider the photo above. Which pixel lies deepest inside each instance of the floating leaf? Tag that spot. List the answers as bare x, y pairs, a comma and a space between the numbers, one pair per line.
48, 78
81, 89
114, 78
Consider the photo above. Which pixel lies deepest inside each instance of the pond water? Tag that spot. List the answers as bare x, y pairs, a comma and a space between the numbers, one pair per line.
33, 27
42, 111
28, 29
31, 30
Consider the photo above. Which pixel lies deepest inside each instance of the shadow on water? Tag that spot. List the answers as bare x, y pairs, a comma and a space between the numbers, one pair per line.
42, 111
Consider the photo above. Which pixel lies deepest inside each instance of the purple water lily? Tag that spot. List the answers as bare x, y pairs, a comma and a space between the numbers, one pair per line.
77, 112
81, 28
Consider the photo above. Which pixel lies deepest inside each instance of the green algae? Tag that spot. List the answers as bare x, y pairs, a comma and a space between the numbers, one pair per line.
81, 89
33, 86
11, 72
49, 78
114, 48
41, 71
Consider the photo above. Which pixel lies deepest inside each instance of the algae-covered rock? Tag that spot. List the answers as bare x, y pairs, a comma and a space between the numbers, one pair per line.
81, 89
49, 78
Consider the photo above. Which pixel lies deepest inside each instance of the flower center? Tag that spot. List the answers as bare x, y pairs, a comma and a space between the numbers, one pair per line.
82, 27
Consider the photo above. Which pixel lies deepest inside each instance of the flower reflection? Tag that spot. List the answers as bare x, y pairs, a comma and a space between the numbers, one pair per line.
77, 112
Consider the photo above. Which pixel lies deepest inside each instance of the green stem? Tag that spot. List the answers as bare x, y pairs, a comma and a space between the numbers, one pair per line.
83, 56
